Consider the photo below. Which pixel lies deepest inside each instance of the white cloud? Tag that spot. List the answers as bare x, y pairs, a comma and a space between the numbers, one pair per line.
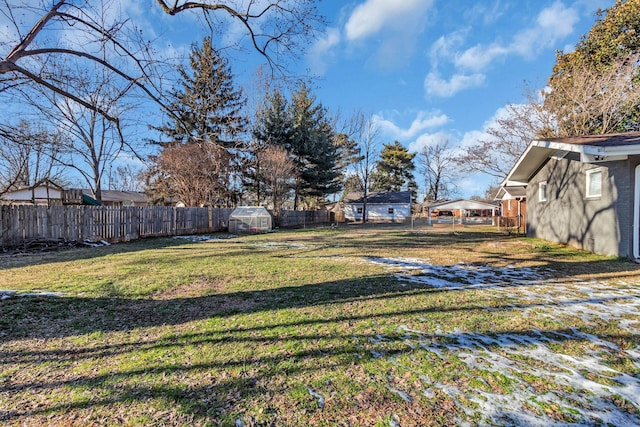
424, 120
471, 138
446, 46
553, 24
372, 16
319, 54
479, 57
434, 85
428, 139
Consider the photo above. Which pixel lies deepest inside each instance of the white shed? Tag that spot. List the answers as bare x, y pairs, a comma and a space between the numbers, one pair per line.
383, 206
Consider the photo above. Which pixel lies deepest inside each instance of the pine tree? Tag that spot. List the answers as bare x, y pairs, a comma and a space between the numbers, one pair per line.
314, 149
394, 170
301, 127
208, 107
272, 128
209, 112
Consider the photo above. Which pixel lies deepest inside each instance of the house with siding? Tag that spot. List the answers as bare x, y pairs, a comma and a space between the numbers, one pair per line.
381, 206
47, 193
43, 193
583, 191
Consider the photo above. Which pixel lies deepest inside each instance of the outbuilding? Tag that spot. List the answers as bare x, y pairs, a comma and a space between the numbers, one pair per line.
381, 206
250, 219
462, 211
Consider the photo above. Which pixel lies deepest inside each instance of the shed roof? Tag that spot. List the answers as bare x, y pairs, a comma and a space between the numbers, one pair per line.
380, 198
122, 196
250, 211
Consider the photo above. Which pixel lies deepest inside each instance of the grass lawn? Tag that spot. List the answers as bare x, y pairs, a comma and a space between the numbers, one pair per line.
374, 326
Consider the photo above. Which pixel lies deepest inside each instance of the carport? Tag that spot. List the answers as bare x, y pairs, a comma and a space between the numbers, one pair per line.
464, 206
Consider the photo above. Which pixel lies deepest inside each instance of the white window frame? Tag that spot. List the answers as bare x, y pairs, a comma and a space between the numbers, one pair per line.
542, 191
589, 177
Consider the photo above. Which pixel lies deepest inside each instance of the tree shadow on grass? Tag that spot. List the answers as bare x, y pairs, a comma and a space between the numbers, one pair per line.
202, 390
203, 393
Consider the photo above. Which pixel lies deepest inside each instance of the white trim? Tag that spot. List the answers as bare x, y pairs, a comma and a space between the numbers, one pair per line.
588, 180
542, 196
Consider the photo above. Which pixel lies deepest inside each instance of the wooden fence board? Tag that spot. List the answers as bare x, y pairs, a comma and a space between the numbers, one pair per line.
19, 224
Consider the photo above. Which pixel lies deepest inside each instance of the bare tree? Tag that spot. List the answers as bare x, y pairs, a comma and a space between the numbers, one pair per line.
28, 156
277, 173
126, 178
366, 133
93, 142
190, 173
38, 30
439, 169
506, 139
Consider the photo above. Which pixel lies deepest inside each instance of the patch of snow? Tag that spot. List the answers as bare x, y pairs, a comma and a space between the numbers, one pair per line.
282, 245
403, 395
318, 397
581, 386
458, 276
7, 293
204, 238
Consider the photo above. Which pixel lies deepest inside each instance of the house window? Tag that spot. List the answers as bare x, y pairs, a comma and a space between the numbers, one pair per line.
594, 183
542, 191
508, 204
390, 210
359, 210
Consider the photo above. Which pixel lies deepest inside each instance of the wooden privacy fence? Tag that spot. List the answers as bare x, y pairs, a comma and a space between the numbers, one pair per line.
23, 223
20, 224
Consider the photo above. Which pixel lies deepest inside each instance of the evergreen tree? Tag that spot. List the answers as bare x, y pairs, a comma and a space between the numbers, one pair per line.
272, 128
394, 170
300, 126
347, 155
208, 112
314, 149
208, 107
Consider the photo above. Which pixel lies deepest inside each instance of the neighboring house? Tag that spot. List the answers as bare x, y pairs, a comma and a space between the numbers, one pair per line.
583, 191
382, 206
48, 193
124, 198
44, 193
461, 211
513, 206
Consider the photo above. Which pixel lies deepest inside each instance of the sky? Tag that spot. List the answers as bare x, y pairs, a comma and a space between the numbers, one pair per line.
426, 71
431, 70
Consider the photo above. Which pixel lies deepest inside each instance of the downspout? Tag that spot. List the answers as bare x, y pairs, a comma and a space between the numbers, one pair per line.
519, 215
636, 217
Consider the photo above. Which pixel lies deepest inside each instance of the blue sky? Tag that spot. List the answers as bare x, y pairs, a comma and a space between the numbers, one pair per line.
432, 70
424, 70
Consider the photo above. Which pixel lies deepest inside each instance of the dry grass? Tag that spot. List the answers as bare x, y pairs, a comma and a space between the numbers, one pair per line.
252, 330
